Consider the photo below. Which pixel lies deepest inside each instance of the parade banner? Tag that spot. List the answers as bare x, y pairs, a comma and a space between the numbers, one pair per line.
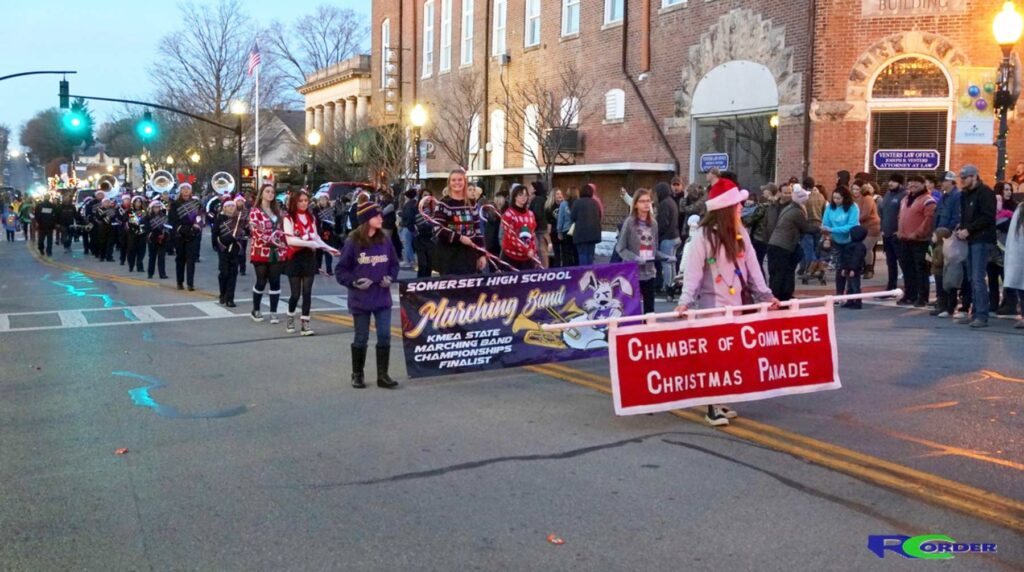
474, 323
975, 117
726, 359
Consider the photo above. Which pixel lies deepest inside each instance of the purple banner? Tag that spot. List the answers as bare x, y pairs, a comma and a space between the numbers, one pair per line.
493, 321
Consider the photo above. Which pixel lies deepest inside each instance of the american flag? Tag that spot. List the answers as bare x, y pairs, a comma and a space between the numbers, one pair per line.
254, 58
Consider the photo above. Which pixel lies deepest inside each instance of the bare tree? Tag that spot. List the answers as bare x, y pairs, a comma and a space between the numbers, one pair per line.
384, 150
542, 116
314, 41
453, 117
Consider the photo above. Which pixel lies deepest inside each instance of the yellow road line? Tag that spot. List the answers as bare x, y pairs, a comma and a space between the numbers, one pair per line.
931, 488
1001, 377
929, 406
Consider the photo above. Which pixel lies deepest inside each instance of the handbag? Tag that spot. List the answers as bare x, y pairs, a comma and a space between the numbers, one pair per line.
572, 229
746, 298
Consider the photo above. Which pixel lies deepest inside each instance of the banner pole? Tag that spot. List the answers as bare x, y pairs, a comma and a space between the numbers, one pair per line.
726, 310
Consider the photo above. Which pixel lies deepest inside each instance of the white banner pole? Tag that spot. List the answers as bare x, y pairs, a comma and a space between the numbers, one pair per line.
651, 318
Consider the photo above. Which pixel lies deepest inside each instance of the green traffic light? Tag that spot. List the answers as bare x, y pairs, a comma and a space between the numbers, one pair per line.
146, 128
74, 121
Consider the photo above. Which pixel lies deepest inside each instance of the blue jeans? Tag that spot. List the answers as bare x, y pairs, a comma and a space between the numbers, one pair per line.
408, 254
586, 253
668, 266
809, 243
978, 254
381, 318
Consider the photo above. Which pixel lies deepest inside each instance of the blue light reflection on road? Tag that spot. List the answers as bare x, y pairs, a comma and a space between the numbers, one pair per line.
141, 397
78, 285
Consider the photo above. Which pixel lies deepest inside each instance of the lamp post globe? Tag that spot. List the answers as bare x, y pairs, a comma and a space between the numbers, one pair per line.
1008, 25
194, 157
169, 160
418, 115
313, 138
1006, 28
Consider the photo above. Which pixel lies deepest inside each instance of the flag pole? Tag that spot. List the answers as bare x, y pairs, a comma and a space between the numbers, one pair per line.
257, 160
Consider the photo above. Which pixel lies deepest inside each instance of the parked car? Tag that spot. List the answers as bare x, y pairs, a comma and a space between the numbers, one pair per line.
336, 190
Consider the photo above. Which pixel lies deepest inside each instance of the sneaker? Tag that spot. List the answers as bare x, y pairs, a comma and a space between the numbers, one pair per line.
1019, 325
944, 315
920, 304
306, 330
230, 304
274, 319
290, 325
728, 413
715, 418
966, 320
979, 324
937, 312
256, 316
959, 315
904, 302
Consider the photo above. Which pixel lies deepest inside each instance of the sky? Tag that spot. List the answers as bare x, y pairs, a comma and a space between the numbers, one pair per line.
111, 43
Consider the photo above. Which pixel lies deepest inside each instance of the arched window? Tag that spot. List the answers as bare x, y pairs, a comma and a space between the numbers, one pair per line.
615, 105
497, 139
531, 142
571, 111
910, 77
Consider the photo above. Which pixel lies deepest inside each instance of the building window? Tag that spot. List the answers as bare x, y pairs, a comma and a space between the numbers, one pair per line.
670, 3
497, 139
910, 77
748, 141
531, 37
428, 38
531, 144
474, 135
500, 9
571, 112
570, 17
893, 129
446, 35
467, 32
385, 48
615, 105
613, 10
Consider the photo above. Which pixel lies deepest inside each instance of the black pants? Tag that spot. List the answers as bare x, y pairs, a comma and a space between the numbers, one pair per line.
10, 235
569, 256
424, 259
186, 254
66, 235
157, 257
227, 276
135, 251
761, 249
243, 247
945, 300
782, 271
915, 271
995, 277
892, 260
86, 241
556, 251
301, 286
647, 288
45, 241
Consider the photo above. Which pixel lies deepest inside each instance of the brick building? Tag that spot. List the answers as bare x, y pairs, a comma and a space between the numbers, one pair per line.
683, 84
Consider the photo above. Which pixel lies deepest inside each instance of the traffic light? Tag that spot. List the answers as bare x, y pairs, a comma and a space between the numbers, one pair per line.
146, 128
74, 120
247, 172
65, 98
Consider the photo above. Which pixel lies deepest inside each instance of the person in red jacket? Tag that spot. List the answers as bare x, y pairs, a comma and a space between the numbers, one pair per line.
267, 251
518, 227
914, 230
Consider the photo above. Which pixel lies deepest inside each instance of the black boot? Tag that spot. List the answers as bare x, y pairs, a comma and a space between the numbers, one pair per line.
383, 358
358, 361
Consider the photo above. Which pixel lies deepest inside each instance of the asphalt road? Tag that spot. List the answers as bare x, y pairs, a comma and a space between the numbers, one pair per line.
248, 450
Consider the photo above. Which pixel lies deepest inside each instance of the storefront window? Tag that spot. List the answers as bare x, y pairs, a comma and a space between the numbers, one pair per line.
910, 77
749, 141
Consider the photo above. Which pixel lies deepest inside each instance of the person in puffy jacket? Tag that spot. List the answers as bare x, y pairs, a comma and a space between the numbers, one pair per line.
586, 220
914, 230
368, 265
851, 267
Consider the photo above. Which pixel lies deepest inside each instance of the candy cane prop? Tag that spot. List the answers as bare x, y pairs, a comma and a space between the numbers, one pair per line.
508, 228
424, 208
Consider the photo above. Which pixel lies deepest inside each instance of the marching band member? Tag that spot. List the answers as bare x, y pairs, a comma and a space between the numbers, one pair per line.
186, 218
721, 268
228, 229
325, 224
458, 236
368, 265
519, 223
120, 224
157, 236
243, 243
267, 251
303, 241
135, 234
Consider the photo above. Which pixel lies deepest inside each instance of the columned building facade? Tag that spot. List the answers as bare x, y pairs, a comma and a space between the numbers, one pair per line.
338, 98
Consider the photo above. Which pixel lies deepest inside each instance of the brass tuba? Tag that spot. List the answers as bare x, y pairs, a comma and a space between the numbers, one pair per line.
536, 336
162, 182
222, 183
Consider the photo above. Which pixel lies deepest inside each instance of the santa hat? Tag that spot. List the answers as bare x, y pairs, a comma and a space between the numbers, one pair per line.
724, 193
155, 203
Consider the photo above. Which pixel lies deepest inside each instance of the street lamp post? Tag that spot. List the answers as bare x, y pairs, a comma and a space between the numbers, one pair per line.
418, 118
313, 139
1007, 29
237, 107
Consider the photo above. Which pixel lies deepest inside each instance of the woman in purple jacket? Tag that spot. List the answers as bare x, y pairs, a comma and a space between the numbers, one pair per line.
367, 267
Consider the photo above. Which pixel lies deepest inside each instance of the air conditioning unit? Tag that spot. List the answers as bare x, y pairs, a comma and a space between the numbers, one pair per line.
564, 140
504, 59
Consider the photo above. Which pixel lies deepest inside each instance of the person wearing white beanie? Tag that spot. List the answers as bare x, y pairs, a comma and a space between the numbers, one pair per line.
784, 243
800, 195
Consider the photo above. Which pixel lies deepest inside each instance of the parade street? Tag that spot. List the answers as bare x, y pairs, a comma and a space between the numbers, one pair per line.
150, 429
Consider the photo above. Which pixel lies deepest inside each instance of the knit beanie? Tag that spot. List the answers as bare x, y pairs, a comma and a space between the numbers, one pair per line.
367, 211
800, 195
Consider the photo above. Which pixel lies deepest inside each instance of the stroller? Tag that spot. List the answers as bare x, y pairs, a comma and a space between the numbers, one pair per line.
824, 265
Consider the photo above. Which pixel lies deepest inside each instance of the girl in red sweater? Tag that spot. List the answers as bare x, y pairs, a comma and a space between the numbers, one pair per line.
518, 228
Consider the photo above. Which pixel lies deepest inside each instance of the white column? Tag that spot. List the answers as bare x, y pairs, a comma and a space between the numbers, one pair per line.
339, 117
350, 116
318, 120
309, 120
328, 121
362, 109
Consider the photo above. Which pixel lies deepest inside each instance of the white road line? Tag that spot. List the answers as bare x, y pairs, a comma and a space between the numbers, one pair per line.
72, 319
5, 323
214, 310
147, 314
340, 301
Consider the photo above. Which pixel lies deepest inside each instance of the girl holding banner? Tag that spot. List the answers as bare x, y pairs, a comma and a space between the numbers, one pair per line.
458, 238
721, 266
303, 239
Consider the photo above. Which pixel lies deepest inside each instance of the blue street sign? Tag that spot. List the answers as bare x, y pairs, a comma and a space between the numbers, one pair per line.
710, 161
906, 160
